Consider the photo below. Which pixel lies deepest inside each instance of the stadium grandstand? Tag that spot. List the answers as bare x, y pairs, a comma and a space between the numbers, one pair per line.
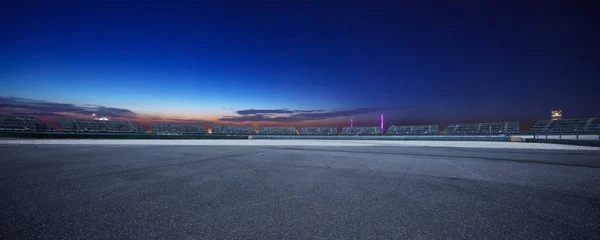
362, 131
567, 126
590, 126
498, 128
319, 131
414, 130
21, 123
177, 129
233, 130
82, 125
277, 131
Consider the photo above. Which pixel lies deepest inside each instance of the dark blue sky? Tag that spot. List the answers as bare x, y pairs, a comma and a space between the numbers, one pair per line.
425, 62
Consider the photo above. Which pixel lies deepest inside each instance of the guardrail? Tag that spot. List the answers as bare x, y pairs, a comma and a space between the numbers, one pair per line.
575, 136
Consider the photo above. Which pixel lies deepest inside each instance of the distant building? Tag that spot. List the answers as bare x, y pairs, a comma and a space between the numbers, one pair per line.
556, 115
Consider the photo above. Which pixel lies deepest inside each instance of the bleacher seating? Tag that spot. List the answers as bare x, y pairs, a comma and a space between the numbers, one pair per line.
21, 123
137, 127
177, 129
567, 126
319, 131
539, 126
233, 130
414, 130
362, 131
594, 126
498, 128
277, 130
83, 125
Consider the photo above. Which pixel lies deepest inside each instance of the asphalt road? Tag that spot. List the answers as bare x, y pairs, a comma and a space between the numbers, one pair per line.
302, 192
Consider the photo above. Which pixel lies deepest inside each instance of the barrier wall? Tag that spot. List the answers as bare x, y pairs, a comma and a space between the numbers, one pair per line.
389, 138
584, 140
65, 135
590, 143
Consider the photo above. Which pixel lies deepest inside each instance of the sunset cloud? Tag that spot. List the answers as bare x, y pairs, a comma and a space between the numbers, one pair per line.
46, 108
283, 116
272, 111
275, 115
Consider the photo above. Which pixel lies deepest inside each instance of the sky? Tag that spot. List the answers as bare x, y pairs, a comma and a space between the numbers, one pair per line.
304, 63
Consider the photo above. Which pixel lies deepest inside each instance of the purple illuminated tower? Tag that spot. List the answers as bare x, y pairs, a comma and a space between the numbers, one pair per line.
350, 122
382, 122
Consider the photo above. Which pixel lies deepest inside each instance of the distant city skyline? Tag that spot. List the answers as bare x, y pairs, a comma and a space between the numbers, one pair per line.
299, 64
